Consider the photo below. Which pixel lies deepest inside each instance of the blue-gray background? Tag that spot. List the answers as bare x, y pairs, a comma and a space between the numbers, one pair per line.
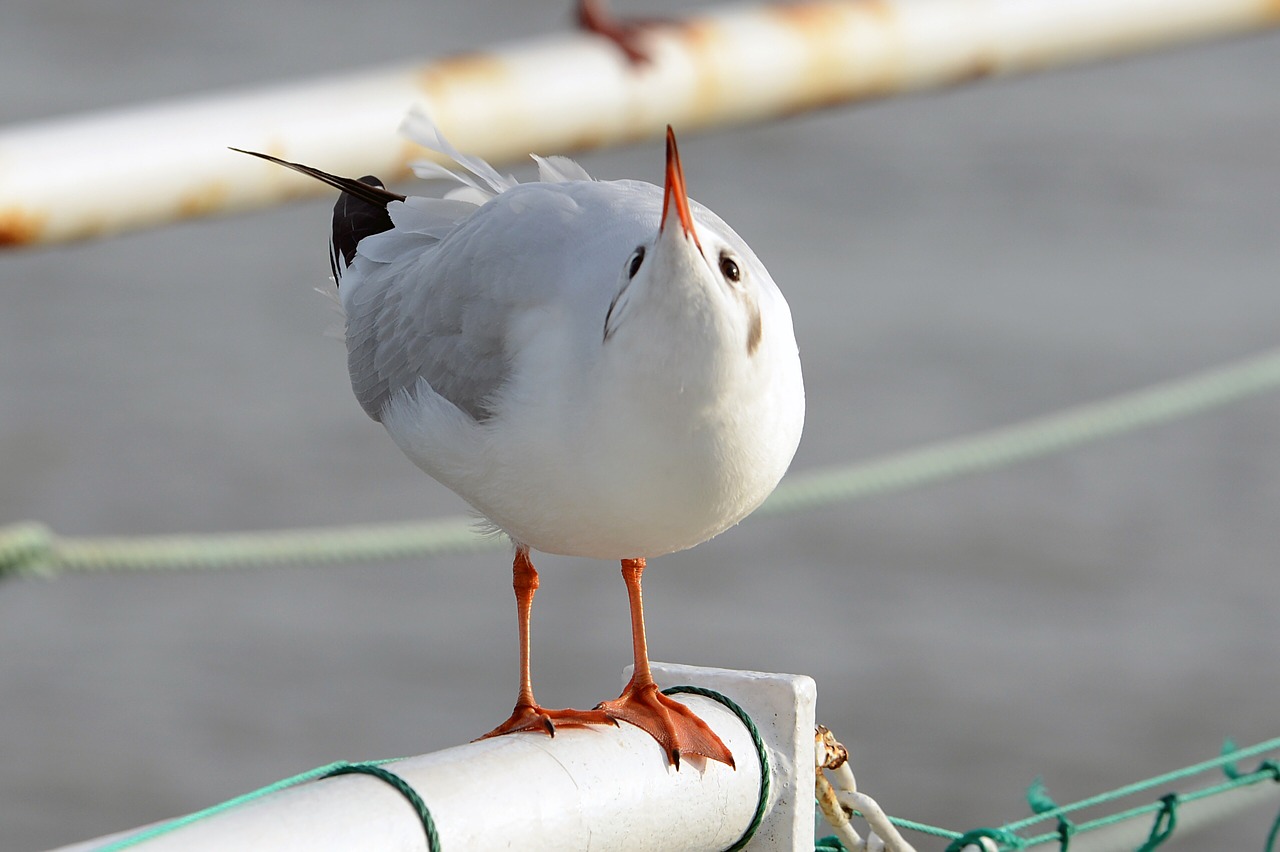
954, 262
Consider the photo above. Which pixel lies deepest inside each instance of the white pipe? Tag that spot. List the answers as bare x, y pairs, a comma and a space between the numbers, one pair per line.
598, 788
95, 175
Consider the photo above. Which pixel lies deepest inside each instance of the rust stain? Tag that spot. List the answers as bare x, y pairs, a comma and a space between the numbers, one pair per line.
203, 200
587, 139
450, 83
699, 34
833, 75
980, 68
95, 226
461, 69
817, 19
704, 42
20, 228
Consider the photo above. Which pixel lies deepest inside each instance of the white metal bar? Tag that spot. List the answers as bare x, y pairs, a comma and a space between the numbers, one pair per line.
96, 175
602, 788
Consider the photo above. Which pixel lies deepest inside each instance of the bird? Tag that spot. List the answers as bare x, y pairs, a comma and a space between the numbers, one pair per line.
600, 368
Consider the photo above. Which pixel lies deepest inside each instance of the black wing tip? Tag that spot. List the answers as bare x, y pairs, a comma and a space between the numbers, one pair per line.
367, 188
360, 211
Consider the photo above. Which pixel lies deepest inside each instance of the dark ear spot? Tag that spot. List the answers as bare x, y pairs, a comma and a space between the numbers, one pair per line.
755, 330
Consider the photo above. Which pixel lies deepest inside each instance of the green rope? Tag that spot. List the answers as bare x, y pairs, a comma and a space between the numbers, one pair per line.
1229, 768
924, 828
1006, 839
1057, 432
1164, 809
26, 549
762, 800
374, 769
329, 770
1164, 780
1272, 766
1163, 827
1040, 801
31, 549
1267, 766
1166, 822
404, 788
175, 824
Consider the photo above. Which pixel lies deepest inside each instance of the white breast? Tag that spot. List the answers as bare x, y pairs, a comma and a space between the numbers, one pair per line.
650, 442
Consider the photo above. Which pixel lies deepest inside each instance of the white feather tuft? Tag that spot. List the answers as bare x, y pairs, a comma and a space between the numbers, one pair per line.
419, 127
559, 169
470, 194
338, 330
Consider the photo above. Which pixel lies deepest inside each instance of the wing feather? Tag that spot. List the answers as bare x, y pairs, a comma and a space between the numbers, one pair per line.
558, 169
419, 127
444, 309
435, 288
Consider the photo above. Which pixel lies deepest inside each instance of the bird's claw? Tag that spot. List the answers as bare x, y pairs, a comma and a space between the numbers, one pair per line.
531, 717
675, 727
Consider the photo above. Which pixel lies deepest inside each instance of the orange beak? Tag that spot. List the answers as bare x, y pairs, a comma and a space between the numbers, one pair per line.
675, 191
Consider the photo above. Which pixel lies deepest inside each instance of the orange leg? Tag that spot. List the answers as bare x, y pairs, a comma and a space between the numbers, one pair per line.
671, 723
528, 715
593, 18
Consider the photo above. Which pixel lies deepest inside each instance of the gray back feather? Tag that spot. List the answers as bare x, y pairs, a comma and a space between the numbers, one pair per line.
428, 300
436, 297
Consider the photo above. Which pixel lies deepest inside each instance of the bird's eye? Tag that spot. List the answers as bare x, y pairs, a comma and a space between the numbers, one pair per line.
636, 260
729, 269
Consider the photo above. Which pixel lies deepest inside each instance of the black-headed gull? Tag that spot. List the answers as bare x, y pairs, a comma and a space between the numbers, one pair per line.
600, 368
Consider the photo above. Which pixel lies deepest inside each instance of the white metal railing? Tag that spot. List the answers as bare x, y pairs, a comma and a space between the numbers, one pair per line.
598, 788
100, 174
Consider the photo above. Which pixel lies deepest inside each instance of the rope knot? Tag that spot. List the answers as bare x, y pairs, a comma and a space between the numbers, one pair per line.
1042, 803
1166, 822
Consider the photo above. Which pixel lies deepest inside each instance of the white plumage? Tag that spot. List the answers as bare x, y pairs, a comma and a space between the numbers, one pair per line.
477, 336
600, 368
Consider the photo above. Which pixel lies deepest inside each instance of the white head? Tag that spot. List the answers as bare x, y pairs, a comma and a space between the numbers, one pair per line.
706, 285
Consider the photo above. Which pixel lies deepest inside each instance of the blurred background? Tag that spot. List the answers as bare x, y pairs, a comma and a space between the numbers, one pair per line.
954, 261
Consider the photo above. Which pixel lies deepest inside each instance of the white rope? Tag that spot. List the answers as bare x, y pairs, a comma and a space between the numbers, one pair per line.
841, 800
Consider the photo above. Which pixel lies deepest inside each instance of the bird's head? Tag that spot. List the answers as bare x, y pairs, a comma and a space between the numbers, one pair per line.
702, 279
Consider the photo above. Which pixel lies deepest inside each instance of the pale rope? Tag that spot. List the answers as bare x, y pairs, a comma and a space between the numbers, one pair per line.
31, 548
842, 800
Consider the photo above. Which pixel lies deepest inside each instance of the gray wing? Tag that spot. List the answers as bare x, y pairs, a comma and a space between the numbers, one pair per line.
438, 303
401, 328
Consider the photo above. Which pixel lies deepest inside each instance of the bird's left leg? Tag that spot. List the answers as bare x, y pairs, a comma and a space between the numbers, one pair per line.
528, 714
671, 723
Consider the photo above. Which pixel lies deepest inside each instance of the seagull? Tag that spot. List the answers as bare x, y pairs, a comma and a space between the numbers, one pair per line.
600, 368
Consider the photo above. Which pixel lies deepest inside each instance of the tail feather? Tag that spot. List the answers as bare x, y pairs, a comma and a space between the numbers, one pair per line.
361, 210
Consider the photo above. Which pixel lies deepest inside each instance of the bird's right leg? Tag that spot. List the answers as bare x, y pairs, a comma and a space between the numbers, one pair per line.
528, 715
